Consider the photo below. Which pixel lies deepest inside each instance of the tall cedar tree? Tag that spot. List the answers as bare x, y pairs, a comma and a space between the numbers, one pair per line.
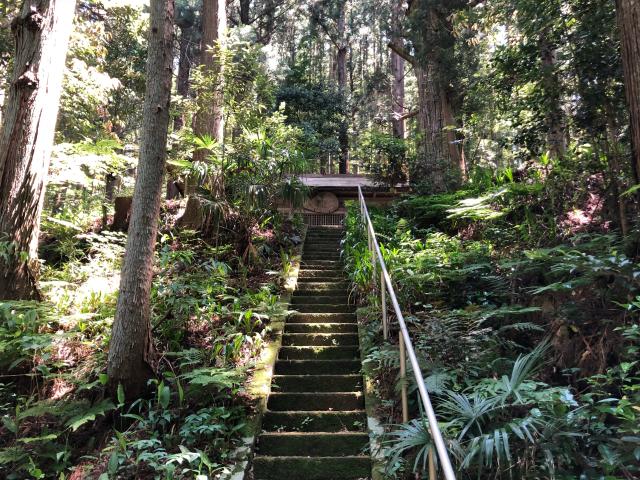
41, 31
438, 152
131, 356
629, 22
210, 117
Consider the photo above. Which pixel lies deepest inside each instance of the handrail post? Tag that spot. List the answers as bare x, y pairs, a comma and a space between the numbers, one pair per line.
383, 305
432, 465
403, 380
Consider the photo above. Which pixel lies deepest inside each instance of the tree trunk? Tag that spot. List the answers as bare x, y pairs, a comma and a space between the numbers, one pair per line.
184, 70
556, 137
110, 183
130, 361
41, 32
397, 70
210, 117
613, 155
245, 9
458, 160
341, 71
434, 155
629, 25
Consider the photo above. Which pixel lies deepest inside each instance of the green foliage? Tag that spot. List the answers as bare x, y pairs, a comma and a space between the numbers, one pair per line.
479, 312
383, 156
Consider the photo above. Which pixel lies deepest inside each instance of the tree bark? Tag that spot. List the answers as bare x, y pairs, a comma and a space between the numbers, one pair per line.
629, 24
556, 135
130, 360
341, 73
41, 32
397, 70
184, 70
433, 147
437, 147
210, 117
245, 9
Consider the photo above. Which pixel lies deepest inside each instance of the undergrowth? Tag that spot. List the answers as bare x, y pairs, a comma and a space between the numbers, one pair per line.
527, 334
210, 319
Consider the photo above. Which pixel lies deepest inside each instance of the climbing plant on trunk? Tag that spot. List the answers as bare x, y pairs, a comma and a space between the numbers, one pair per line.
130, 361
41, 32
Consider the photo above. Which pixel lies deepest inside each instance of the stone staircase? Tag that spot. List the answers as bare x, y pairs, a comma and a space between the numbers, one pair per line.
315, 426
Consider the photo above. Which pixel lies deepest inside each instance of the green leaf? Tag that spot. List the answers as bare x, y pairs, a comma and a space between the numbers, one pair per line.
121, 440
164, 395
121, 397
43, 438
112, 466
90, 415
180, 163
10, 424
631, 191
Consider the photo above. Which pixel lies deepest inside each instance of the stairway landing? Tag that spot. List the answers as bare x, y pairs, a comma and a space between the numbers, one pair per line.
315, 427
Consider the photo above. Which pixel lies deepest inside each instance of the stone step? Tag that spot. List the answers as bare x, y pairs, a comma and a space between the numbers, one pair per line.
321, 278
317, 383
304, 401
319, 339
322, 235
324, 317
317, 367
311, 468
341, 352
315, 421
302, 298
319, 286
321, 328
321, 249
310, 273
315, 240
312, 257
324, 308
314, 444
321, 264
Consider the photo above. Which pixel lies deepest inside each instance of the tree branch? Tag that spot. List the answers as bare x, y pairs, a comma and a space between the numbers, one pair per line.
402, 52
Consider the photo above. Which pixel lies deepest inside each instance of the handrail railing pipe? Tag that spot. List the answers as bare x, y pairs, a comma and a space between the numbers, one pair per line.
406, 347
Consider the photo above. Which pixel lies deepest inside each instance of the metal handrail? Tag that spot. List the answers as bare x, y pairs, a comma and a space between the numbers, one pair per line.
406, 347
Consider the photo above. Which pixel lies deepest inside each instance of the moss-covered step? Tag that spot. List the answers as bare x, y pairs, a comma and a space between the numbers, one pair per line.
311, 468
279, 401
317, 383
329, 285
310, 257
312, 272
343, 352
304, 298
329, 265
326, 278
330, 252
317, 264
326, 317
314, 444
317, 367
319, 339
321, 328
315, 421
324, 308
